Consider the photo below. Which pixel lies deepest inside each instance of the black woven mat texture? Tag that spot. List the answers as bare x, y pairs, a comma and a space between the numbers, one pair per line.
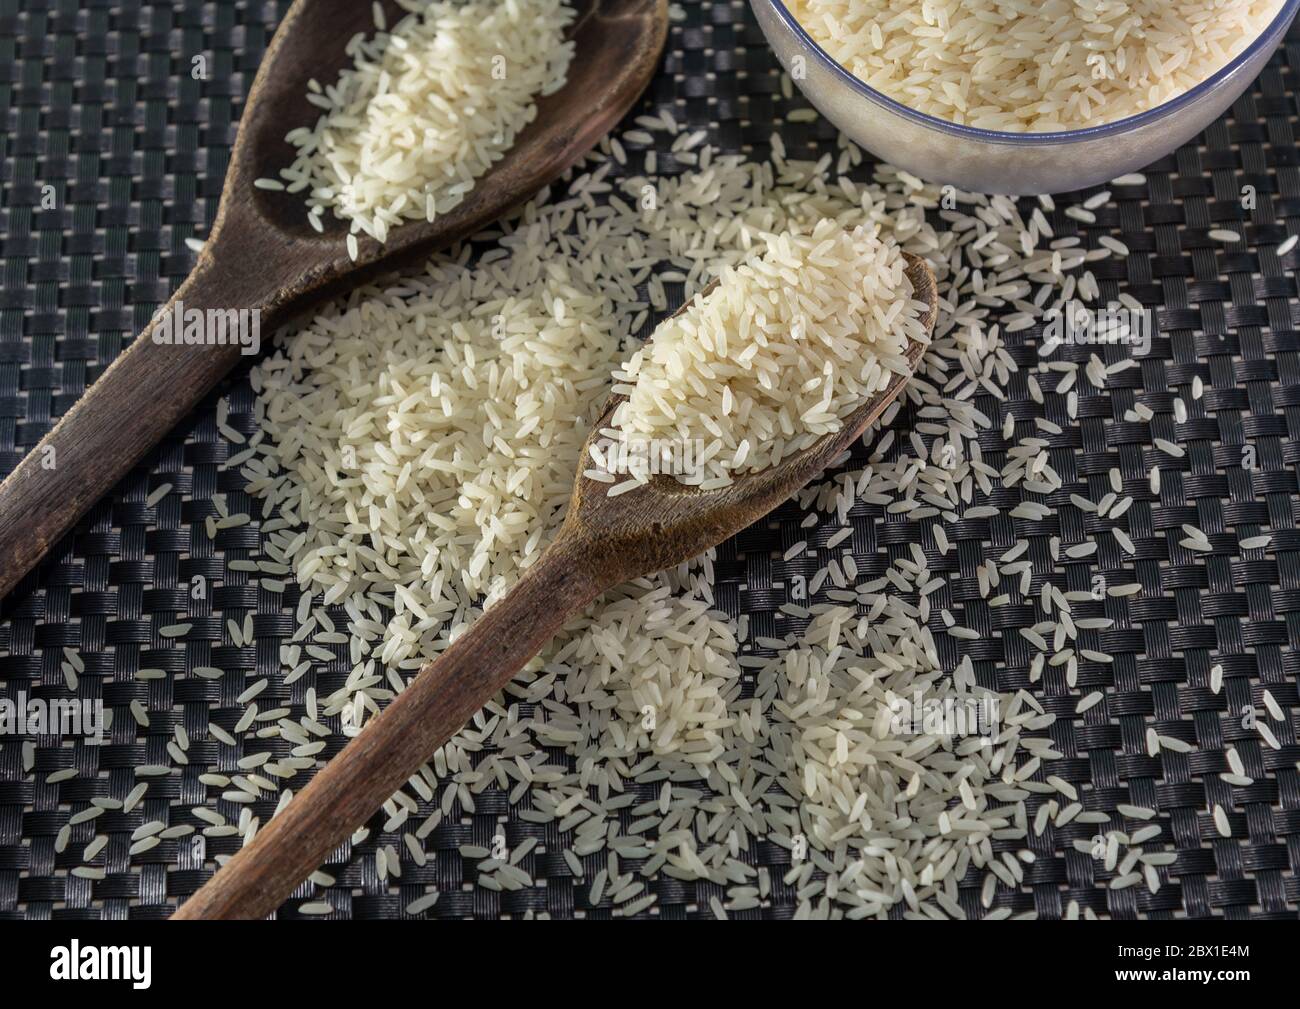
98, 101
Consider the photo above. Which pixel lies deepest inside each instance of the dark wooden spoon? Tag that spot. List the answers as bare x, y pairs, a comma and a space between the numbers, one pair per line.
262, 253
603, 541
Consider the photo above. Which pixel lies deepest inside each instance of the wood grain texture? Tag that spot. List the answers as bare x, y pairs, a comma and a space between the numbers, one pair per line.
262, 254
604, 541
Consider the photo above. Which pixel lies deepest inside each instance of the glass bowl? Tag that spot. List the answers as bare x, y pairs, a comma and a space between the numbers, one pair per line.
992, 161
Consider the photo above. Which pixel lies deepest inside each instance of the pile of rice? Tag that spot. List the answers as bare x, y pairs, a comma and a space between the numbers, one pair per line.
416, 449
776, 356
1033, 66
426, 109
426, 439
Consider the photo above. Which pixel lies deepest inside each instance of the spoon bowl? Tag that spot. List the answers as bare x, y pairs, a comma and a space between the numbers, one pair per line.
684, 521
617, 45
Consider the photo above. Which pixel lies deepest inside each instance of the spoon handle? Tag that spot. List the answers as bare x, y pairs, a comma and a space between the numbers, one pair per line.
141, 396
377, 762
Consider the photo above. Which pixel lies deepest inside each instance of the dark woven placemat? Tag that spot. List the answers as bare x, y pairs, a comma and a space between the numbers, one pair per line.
112, 154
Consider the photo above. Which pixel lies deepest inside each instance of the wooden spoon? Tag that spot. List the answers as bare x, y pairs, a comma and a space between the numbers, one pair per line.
262, 253
603, 541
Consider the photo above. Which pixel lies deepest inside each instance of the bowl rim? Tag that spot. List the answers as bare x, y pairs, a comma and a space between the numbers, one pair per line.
1268, 37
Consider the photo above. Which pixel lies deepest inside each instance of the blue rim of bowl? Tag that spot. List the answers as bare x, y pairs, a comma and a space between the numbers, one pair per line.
1270, 36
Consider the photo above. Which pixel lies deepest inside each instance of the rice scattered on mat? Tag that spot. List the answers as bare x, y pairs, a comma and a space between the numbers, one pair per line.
416, 449
426, 109
776, 356
1033, 65
446, 422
